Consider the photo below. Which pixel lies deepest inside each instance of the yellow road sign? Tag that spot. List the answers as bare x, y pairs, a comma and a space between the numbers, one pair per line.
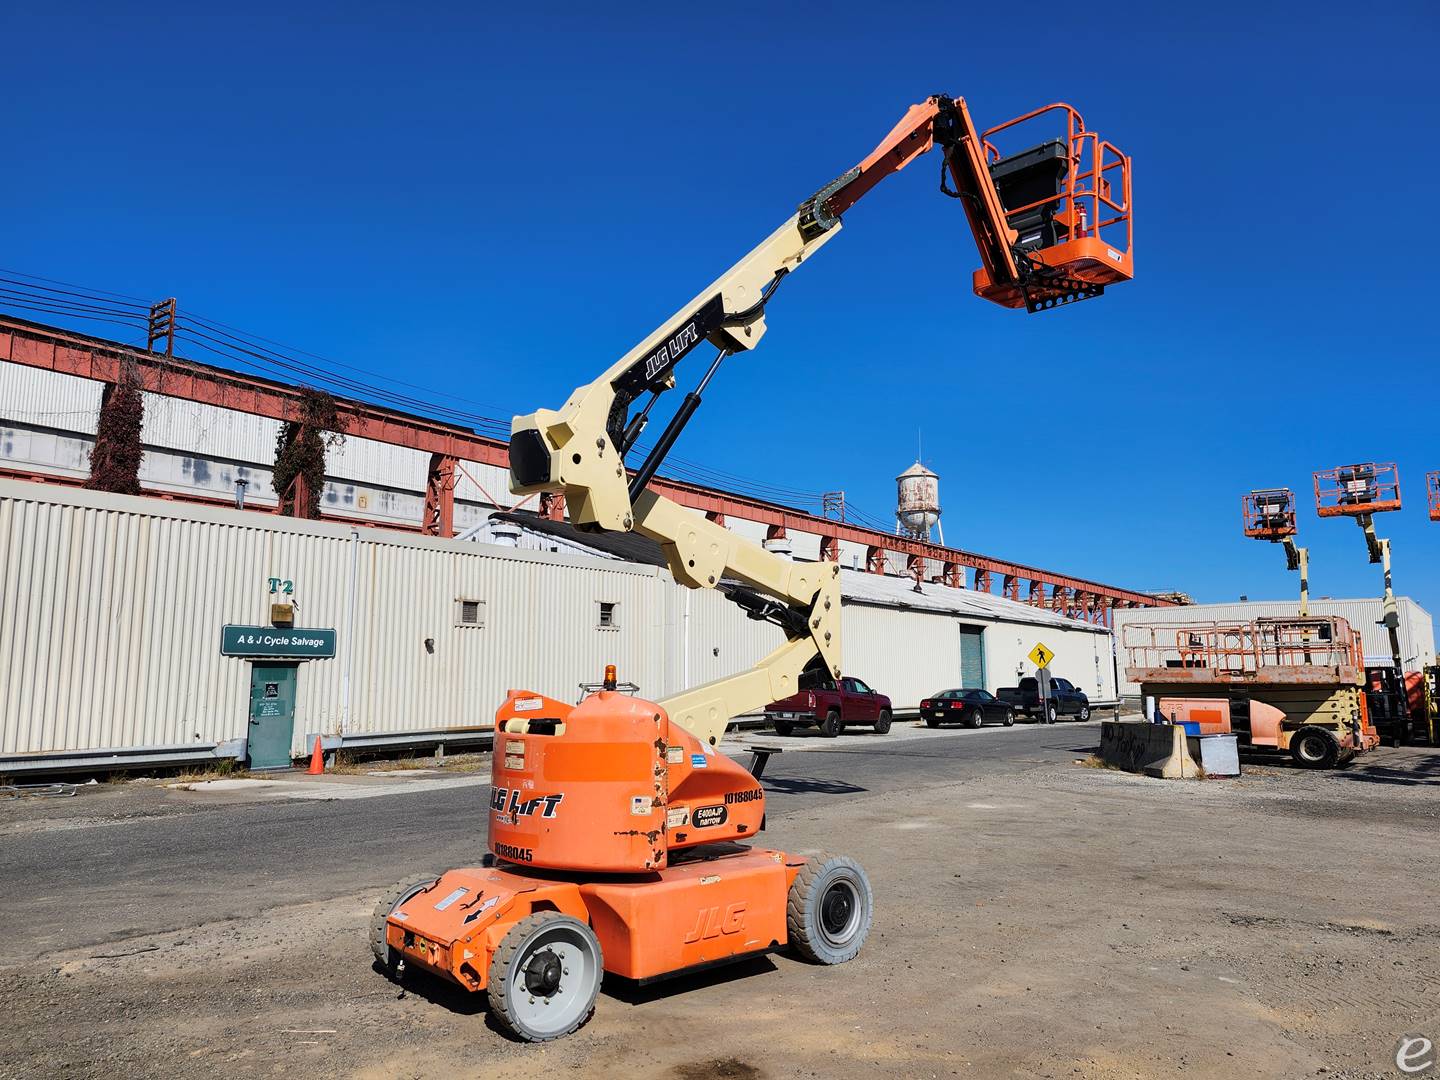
1041, 655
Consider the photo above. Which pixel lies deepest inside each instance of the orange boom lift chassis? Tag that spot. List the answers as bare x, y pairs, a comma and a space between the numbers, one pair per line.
619, 835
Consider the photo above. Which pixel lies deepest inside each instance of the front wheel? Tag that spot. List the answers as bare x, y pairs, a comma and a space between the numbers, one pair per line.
829, 909
544, 976
830, 726
882, 722
1009, 718
1084, 713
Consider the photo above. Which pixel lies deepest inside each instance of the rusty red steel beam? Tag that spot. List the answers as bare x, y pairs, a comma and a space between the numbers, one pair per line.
73, 353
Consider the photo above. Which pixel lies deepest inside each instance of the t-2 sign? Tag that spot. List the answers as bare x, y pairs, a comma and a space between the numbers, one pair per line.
280, 585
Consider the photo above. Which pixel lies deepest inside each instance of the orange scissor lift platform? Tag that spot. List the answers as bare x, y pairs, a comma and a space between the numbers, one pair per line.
616, 849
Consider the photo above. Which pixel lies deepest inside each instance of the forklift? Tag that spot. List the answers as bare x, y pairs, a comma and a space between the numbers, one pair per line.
620, 837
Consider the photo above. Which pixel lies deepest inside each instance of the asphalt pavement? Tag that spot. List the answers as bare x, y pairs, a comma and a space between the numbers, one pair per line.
128, 859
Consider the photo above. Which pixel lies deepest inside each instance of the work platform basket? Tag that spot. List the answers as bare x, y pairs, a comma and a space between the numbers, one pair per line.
1357, 490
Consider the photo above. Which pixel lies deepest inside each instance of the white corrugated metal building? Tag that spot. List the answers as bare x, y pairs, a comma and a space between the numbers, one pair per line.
1417, 631
195, 450
111, 610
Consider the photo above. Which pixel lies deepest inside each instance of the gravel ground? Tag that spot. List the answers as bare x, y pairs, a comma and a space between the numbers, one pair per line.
1060, 922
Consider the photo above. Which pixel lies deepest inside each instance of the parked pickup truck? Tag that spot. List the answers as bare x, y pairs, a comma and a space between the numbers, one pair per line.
830, 707
1064, 699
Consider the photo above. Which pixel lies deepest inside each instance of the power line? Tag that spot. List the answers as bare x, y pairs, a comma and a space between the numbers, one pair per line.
265, 356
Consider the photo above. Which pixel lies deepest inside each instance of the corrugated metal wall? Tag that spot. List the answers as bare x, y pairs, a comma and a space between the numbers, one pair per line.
192, 426
49, 399
906, 655
111, 609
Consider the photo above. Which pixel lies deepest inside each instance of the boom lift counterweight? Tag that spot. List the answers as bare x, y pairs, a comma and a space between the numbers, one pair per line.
616, 828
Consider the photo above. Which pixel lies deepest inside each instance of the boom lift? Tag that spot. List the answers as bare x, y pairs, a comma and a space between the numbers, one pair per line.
1361, 491
1269, 514
617, 830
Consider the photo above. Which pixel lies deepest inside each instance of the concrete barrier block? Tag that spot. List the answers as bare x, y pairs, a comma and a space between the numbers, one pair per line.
1153, 749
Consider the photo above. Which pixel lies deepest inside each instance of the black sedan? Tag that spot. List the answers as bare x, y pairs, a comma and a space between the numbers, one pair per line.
970, 707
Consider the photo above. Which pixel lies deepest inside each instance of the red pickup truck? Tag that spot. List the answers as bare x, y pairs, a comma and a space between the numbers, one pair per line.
830, 707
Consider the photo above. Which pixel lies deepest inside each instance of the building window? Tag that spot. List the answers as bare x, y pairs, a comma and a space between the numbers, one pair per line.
609, 617
469, 612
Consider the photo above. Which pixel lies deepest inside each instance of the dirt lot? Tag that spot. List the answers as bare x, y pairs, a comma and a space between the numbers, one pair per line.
1064, 922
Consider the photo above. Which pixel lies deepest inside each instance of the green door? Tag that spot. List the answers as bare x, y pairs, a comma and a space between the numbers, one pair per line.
972, 658
272, 715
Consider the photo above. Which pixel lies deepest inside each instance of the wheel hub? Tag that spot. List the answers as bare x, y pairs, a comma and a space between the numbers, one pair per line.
835, 909
542, 974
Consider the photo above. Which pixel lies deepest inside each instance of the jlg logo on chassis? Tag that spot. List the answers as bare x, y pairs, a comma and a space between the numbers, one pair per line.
709, 923
508, 801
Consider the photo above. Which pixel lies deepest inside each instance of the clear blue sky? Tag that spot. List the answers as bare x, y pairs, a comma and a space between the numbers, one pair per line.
497, 200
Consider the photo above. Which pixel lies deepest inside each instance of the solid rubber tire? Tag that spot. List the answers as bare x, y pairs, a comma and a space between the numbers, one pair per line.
502, 1008
802, 914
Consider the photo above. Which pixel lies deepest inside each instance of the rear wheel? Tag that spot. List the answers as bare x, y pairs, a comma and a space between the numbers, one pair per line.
882, 723
545, 976
975, 719
829, 909
1052, 713
392, 899
1314, 748
783, 727
830, 726
932, 721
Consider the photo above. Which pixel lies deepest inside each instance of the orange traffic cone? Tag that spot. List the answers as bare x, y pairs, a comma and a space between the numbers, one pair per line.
317, 759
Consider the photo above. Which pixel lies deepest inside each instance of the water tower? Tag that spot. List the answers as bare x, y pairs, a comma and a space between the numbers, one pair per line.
918, 507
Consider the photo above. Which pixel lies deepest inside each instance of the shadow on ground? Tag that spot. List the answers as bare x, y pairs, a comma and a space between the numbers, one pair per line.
796, 785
